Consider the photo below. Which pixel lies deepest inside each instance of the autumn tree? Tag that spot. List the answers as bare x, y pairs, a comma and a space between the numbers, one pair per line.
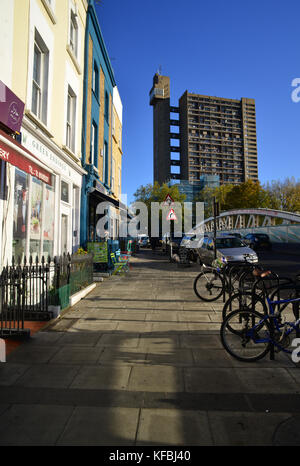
285, 194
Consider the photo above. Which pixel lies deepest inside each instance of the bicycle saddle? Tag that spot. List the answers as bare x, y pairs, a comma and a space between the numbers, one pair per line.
261, 273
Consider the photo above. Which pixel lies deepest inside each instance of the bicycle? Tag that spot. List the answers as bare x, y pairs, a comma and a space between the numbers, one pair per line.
257, 334
213, 282
251, 296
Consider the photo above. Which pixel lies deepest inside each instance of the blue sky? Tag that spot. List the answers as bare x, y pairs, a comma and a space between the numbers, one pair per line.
229, 49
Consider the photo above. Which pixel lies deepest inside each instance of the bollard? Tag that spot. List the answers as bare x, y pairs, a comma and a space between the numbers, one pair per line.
2, 350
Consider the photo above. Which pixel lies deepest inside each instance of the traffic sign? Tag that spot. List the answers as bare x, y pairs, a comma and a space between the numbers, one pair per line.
171, 215
168, 201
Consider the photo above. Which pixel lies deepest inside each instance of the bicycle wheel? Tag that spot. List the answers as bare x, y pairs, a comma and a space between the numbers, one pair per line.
243, 302
251, 339
209, 285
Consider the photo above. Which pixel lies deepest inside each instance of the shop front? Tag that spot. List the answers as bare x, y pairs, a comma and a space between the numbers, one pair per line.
59, 228
40, 188
26, 195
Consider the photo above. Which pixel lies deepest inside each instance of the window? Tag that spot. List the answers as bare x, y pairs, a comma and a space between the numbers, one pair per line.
106, 110
113, 175
95, 81
73, 33
71, 118
64, 194
94, 144
40, 79
105, 163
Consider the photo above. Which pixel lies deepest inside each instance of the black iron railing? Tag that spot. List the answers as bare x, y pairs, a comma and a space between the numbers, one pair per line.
31, 290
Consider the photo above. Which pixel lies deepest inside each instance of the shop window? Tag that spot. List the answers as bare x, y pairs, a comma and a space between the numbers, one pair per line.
36, 199
20, 213
33, 217
40, 79
48, 221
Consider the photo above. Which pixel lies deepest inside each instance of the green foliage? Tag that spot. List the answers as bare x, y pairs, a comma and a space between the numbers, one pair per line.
285, 194
157, 193
250, 194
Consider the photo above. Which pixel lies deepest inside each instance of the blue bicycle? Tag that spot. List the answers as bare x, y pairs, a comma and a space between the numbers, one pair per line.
249, 335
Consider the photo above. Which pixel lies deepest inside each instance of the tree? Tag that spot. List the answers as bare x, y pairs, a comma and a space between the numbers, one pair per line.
285, 194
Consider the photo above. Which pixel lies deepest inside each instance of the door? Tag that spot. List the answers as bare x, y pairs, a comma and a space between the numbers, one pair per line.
64, 234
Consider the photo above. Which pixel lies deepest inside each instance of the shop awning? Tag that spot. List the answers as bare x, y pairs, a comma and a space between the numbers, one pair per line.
97, 191
14, 153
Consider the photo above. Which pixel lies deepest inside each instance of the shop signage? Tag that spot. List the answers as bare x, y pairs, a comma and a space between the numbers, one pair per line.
11, 155
11, 109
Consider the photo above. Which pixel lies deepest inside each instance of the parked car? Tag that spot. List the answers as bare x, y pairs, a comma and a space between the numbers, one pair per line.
237, 235
258, 241
229, 249
192, 243
143, 241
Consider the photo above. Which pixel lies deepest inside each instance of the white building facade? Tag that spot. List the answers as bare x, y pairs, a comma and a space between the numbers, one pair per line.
41, 180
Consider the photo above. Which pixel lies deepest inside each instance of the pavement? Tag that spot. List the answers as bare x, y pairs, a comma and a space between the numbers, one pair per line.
138, 362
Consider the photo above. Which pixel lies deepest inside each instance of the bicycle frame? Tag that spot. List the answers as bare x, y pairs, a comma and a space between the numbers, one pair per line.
271, 316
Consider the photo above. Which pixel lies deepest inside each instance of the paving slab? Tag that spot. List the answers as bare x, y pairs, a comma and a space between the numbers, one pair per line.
79, 338
244, 429
33, 424
172, 357
156, 378
200, 341
219, 380
211, 358
76, 355
267, 380
101, 377
172, 427
100, 426
158, 341
10, 373
35, 354
119, 340
49, 376
122, 356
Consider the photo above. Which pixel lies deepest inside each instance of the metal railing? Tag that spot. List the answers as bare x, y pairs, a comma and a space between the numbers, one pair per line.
28, 289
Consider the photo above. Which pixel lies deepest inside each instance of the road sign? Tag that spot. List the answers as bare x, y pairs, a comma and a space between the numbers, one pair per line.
171, 215
168, 201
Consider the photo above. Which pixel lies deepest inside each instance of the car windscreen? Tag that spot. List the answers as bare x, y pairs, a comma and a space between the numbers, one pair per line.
223, 243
